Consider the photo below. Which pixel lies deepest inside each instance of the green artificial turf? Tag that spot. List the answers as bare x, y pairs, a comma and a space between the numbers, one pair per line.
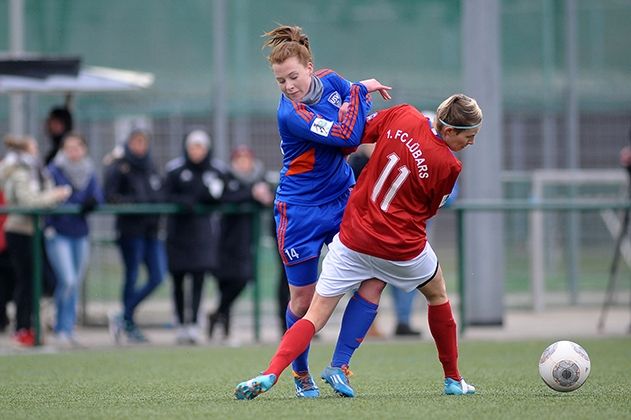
392, 380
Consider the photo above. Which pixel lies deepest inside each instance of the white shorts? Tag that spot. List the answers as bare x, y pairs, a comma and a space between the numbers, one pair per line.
343, 270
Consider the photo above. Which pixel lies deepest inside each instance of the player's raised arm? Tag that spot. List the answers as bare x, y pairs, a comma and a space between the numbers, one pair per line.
372, 85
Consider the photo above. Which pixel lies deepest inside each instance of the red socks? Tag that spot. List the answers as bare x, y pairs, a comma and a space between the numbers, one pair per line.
441, 325
443, 329
294, 342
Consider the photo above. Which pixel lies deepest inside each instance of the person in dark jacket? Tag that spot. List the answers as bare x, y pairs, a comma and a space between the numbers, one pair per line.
193, 178
282, 287
66, 236
133, 178
236, 266
58, 123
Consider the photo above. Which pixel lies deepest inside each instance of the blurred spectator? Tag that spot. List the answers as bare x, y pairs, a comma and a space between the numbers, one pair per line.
7, 279
358, 159
25, 183
625, 158
58, 124
194, 178
282, 288
236, 266
67, 243
133, 178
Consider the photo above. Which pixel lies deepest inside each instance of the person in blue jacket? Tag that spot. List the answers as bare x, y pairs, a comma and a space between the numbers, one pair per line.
321, 118
67, 242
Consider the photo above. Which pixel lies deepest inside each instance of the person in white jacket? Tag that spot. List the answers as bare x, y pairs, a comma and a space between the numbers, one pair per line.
25, 183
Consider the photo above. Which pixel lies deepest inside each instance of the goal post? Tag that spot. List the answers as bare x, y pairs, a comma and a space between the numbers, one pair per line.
604, 184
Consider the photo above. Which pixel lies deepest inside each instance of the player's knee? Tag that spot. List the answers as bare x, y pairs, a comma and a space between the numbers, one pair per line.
437, 299
299, 305
371, 290
434, 294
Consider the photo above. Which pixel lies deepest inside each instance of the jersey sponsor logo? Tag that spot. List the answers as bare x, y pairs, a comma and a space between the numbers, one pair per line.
335, 99
321, 127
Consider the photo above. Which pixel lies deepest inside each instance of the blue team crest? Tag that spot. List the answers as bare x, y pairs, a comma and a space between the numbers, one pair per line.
335, 99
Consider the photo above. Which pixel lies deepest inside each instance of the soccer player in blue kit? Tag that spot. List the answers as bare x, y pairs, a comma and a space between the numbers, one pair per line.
320, 117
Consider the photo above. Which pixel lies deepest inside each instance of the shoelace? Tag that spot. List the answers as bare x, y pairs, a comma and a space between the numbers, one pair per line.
306, 383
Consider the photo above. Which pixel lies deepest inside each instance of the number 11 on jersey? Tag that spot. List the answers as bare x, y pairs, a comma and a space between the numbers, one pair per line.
393, 158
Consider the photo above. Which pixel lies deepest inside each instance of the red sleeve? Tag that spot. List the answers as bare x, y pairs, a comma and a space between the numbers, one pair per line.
373, 125
375, 122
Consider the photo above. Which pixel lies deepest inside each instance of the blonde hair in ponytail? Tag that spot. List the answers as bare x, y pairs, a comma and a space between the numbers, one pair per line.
458, 111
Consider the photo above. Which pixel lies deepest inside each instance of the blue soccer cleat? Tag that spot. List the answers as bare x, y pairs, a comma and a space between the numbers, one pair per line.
305, 387
453, 387
249, 390
338, 379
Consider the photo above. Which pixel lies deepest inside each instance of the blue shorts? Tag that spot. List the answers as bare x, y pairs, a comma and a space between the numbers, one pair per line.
301, 232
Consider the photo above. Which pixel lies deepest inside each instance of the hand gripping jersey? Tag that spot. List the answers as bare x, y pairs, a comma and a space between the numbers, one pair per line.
409, 175
314, 168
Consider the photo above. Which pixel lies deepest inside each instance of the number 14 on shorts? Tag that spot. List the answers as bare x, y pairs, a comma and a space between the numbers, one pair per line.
292, 254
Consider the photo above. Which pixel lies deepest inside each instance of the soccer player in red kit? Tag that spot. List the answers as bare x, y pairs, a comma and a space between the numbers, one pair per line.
382, 237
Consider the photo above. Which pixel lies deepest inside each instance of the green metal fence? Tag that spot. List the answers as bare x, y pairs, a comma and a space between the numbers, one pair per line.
460, 208
162, 209
464, 207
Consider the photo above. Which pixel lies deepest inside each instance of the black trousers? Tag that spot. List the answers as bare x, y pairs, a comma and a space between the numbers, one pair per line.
194, 297
282, 298
230, 288
7, 285
21, 253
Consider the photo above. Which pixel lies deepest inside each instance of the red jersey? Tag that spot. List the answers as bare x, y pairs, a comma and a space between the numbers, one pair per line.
409, 175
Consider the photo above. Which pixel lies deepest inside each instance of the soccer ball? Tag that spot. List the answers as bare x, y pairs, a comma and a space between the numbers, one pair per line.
564, 366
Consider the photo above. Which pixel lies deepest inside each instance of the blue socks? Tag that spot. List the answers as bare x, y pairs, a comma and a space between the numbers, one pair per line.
358, 318
301, 363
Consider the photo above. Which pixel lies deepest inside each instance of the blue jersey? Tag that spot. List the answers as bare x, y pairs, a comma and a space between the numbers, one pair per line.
315, 170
